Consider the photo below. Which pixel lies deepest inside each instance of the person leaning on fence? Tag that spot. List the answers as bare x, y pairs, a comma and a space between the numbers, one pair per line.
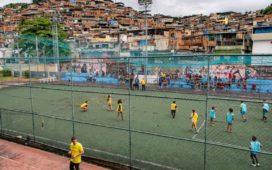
143, 83
76, 151
255, 148
265, 110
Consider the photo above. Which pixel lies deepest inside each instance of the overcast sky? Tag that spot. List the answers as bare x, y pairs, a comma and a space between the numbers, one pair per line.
188, 7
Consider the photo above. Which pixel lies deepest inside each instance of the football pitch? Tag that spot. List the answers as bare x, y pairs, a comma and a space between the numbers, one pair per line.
155, 140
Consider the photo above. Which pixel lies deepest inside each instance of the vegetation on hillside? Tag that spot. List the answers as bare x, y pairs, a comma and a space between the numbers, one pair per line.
267, 10
41, 27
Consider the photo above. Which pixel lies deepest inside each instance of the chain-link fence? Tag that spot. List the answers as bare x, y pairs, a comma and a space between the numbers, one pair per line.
40, 98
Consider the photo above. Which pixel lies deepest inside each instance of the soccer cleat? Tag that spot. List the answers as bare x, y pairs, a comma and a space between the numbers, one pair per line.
253, 165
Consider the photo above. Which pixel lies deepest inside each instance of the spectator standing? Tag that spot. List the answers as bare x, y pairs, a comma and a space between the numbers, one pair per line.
143, 83
76, 151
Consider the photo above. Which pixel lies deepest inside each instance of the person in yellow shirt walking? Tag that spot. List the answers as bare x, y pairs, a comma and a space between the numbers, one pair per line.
109, 100
173, 108
120, 109
143, 83
76, 151
84, 106
194, 118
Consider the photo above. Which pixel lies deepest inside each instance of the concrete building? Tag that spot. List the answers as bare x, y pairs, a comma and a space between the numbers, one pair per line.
262, 40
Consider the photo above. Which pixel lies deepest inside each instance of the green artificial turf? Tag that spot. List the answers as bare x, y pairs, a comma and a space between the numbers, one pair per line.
157, 140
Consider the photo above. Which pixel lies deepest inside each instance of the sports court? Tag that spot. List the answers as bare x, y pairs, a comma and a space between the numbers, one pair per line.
148, 137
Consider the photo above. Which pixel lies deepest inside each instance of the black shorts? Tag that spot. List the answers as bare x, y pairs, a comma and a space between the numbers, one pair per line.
173, 111
253, 154
229, 123
74, 166
212, 119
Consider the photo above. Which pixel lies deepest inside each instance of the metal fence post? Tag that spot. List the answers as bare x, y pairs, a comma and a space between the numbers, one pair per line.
1, 125
206, 114
129, 117
73, 100
31, 100
261, 74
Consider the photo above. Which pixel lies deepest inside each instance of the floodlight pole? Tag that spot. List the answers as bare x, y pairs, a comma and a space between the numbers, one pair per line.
146, 41
56, 44
119, 53
146, 4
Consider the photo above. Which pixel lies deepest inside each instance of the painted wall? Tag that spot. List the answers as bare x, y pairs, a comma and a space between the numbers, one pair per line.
262, 47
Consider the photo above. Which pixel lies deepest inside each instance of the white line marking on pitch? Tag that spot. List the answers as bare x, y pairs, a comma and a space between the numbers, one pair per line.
138, 160
229, 145
198, 130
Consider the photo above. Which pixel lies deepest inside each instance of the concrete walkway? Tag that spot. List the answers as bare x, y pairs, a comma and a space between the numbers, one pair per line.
19, 157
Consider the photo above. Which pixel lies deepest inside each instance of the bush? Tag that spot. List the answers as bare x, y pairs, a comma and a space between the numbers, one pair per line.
6, 73
27, 74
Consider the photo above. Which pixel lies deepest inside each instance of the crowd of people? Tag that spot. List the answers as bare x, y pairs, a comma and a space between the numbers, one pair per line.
197, 81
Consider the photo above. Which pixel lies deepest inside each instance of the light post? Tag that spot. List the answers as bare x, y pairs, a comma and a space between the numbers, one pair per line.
56, 43
146, 4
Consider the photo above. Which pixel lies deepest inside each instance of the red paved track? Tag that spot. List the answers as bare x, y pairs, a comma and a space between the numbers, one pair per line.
18, 157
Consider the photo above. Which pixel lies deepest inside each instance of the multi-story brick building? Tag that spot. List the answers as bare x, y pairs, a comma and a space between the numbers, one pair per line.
101, 20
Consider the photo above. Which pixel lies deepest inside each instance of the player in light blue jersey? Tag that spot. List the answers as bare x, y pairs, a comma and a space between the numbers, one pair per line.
230, 119
265, 110
212, 116
243, 110
255, 148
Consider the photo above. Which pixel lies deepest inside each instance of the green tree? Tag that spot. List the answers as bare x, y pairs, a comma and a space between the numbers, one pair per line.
41, 27
37, 1
24, 6
18, 6
11, 5
268, 10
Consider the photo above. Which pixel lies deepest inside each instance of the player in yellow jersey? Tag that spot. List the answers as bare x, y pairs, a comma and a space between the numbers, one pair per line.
120, 109
143, 83
109, 100
84, 106
173, 108
76, 151
194, 118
